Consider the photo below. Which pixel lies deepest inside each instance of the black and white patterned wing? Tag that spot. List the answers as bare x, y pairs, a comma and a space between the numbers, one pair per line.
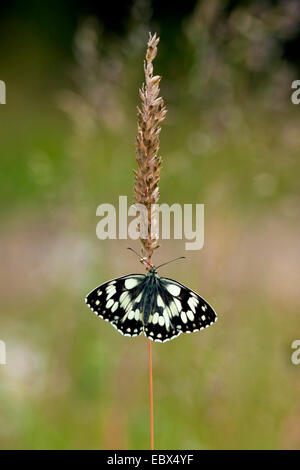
179, 310
118, 302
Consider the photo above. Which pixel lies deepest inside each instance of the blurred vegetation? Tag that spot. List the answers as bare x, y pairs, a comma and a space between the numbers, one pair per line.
231, 141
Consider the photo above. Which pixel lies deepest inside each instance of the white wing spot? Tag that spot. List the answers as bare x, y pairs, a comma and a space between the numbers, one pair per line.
131, 283
155, 318
173, 308
204, 307
190, 315
99, 292
173, 289
137, 314
126, 303
110, 288
178, 304
183, 317
161, 320
160, 302
167, 319
131, 315
193, 303
115, 306
97, 302
109, 303
111, 293
203, 317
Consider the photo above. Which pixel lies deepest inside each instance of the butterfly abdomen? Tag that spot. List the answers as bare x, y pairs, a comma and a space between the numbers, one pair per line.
150, 297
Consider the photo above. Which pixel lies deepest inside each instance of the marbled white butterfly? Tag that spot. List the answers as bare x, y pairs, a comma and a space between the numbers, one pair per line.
160, 307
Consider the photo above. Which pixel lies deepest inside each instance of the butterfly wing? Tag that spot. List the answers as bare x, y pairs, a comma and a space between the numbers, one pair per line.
118, 302
160, 326
179, 310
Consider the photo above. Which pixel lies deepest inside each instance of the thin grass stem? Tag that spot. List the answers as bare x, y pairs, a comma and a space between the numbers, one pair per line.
151, 395
147, 176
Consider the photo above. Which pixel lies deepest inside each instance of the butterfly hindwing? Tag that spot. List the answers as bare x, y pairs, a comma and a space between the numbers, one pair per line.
179, 310
160, 326
117, 301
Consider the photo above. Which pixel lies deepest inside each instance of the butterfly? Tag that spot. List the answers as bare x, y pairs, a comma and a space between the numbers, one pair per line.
162, 308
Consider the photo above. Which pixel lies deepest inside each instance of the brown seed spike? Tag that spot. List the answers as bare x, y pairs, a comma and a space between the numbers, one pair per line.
150, 114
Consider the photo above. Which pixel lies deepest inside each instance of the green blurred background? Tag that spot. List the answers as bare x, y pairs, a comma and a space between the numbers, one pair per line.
231, 141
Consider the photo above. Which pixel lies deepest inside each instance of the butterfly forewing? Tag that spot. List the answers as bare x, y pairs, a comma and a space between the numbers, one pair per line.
118, 302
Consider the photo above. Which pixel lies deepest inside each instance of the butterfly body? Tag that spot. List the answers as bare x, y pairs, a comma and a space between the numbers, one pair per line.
150, 288
160, 307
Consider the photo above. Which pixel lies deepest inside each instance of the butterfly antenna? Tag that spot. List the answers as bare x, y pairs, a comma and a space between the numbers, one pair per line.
168, 262
143, 260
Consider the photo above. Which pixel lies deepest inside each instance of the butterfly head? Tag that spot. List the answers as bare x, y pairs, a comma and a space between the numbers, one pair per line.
152, 269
